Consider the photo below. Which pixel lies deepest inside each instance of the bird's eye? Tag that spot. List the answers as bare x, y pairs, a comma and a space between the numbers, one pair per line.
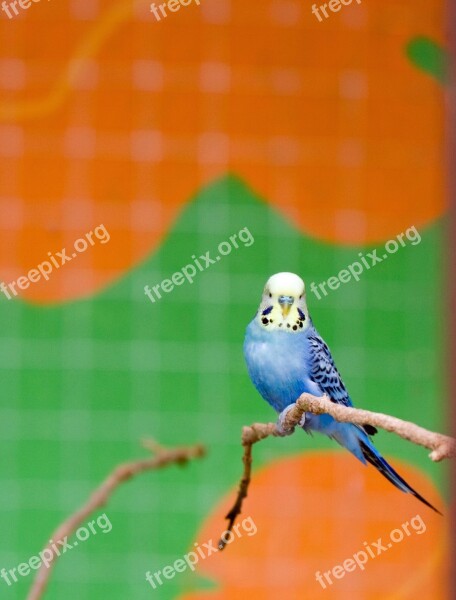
270, 295
300, 296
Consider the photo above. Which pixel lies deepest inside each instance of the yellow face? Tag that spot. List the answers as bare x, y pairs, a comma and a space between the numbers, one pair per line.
283, 305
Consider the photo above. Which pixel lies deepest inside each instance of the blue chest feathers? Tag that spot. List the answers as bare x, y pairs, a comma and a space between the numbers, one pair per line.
277, 362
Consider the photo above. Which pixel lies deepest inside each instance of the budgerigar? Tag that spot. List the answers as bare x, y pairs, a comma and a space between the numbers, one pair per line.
286, 357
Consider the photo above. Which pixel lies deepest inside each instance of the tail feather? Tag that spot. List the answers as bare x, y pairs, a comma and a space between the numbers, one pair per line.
356, 440
375, 459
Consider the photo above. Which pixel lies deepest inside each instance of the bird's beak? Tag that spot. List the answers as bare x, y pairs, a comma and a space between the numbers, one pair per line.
286, 303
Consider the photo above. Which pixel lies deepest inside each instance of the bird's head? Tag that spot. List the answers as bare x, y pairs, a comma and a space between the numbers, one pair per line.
283, 304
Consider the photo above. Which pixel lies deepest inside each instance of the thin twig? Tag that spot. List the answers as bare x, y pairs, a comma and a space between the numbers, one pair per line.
102, 494
242, 493
442, 446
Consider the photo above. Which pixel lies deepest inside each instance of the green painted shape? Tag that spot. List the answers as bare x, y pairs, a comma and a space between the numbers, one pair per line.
430, 57
82, 383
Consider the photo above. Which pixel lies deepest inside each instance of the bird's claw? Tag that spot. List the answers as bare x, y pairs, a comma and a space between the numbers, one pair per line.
281, 422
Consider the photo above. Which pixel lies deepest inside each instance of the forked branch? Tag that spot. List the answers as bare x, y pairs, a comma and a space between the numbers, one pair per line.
122, 473
441, 446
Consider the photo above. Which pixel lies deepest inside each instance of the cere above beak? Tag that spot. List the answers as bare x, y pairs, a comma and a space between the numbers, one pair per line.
286, 303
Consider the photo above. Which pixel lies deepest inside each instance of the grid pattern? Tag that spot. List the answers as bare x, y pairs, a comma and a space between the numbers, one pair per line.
123, 122
84, 382
335, 140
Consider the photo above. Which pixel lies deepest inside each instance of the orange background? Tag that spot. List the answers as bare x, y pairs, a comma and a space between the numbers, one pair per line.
110, 116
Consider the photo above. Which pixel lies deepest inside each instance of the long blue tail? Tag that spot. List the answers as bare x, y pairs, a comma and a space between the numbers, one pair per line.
357, 441
372, 456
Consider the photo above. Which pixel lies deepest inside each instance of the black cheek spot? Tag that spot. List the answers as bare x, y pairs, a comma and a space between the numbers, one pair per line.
295, 328
300, 324
288, 325
280, 324
265, 321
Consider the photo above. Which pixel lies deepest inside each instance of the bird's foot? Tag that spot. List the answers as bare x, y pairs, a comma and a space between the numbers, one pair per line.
282, 428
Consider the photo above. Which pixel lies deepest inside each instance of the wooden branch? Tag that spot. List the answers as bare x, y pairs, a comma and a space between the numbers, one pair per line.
442, 446
102, 494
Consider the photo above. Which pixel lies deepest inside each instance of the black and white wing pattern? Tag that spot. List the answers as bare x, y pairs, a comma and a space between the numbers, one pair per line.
324, 373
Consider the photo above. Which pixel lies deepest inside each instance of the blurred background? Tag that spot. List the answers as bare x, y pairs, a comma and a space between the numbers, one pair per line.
324, 139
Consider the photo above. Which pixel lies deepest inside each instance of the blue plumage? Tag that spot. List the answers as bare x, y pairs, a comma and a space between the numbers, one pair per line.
286, 357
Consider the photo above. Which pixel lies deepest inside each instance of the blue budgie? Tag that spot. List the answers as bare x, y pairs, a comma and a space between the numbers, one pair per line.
286, 357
